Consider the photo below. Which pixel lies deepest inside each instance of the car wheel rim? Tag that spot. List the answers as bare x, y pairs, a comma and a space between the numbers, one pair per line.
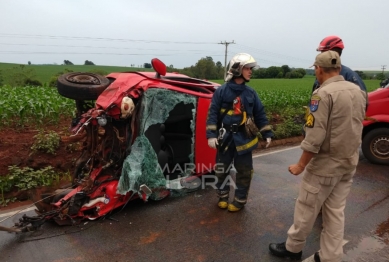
380, 147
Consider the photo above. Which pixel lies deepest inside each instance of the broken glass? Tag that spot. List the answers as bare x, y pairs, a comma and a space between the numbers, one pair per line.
142, 165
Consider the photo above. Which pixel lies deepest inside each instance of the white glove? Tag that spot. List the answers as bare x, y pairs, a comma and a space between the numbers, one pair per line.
268, 141
212, 142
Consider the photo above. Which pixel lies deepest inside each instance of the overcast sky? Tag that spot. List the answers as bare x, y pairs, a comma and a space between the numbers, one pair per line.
125, 32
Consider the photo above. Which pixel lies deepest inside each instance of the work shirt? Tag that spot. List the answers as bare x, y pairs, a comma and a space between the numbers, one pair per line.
334, 127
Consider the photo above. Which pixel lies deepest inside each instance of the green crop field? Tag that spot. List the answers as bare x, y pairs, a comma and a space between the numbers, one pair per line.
43, 73
283, 99
32, 105
276, 94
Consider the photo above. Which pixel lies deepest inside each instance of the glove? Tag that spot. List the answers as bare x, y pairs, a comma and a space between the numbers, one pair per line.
268, 141
212, 142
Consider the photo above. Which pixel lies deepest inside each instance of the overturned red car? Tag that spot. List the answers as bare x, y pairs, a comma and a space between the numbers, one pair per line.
144, 137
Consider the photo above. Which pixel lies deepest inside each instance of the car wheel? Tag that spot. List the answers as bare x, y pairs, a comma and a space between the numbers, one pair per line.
81, 86
375, 146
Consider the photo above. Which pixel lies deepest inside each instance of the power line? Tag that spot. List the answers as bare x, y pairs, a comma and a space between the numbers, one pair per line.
89, 53
263, 60
225, 55
268, 53
102, 47
143, 41
101, 39
61, 37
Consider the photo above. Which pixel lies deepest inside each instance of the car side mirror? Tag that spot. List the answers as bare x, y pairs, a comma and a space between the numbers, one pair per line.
159, 67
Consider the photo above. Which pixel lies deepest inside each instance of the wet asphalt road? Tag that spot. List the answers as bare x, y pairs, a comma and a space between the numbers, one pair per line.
193, 228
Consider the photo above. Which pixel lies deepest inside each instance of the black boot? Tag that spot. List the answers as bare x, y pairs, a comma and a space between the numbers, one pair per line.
279, 250
316, 257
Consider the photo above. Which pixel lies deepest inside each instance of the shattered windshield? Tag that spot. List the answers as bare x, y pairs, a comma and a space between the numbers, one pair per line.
164, 146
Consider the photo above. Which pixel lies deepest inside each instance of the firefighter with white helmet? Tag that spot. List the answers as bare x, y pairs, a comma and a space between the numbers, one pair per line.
236, 118
235, 66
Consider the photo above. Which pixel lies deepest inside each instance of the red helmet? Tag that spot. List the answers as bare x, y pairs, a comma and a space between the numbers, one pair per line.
330, 42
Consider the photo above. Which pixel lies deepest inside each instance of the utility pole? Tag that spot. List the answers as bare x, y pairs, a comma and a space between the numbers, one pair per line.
383, 68
225, 55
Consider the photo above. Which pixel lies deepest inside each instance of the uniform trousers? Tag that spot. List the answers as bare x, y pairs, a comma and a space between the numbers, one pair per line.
244, 172
328, 193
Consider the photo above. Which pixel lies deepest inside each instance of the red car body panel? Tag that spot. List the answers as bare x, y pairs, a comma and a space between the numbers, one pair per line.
375, 136
375, 119
378, 109
205, 157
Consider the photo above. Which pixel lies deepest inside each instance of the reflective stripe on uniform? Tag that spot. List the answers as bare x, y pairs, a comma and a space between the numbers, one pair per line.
211, 127
248, 145
230, 112
266, 128
244, 118
241, 201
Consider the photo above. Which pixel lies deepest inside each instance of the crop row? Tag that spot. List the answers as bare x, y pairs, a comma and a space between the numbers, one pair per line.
32, 105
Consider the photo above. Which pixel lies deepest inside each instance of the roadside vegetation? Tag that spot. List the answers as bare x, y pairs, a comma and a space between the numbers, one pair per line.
35, 106
25, 179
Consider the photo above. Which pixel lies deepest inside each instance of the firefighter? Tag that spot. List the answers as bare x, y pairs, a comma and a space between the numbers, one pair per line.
234, 116
334, 43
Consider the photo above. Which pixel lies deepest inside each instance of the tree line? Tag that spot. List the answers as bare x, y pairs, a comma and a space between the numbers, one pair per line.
206, 68
67, 62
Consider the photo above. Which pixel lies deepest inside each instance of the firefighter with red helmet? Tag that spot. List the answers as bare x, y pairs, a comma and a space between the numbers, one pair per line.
235, 117
335, 43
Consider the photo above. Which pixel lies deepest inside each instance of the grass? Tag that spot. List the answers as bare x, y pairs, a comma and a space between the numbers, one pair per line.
43, 73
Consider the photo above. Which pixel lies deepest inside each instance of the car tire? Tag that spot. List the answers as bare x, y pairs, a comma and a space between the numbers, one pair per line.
81, 86
375, 146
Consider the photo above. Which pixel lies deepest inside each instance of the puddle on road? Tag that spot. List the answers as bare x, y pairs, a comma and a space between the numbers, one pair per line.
369, 245
383, 231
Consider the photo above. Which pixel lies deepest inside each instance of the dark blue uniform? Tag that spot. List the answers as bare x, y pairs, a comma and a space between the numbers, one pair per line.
235, 146
348, 75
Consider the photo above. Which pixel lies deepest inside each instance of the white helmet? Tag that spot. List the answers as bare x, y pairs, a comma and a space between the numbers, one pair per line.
237, 63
